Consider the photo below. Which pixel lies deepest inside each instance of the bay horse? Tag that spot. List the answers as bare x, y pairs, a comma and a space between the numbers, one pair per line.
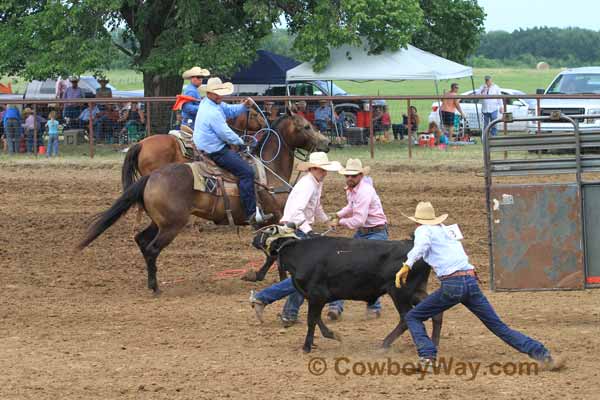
157, 151
168, 196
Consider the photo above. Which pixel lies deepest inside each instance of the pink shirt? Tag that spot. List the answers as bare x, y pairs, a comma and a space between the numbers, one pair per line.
364, 209
303, 205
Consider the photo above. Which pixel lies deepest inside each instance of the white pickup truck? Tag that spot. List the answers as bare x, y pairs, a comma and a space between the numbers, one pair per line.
572, 81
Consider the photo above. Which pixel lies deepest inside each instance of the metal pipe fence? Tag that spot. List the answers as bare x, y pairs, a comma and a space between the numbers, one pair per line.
358, 120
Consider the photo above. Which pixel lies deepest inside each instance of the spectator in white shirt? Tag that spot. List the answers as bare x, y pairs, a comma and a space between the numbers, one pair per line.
490, 107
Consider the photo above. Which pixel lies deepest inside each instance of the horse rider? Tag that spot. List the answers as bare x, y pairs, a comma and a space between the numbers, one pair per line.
213, 136
303, 207
190, 108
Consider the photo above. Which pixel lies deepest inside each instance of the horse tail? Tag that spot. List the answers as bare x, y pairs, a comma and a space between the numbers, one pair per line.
130, 171
134, 194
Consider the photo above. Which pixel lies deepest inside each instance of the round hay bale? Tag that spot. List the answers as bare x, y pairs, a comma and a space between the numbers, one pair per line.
542, 66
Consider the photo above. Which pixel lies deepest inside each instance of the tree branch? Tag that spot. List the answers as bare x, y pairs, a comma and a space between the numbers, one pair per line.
124, 49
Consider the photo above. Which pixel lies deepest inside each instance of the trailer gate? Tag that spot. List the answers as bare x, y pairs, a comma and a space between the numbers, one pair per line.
543, 235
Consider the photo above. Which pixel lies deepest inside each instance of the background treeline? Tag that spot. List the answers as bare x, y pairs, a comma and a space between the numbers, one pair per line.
560, 47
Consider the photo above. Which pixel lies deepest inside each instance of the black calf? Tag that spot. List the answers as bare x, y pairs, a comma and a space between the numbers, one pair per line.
328, 268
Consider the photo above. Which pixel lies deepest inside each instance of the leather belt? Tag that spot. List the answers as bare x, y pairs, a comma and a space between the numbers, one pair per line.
372, 229
470, 272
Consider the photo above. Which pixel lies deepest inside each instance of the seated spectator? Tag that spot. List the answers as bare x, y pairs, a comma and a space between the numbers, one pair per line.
103, 92
133, 119
323, 118
84, 117
105, 122
402, 129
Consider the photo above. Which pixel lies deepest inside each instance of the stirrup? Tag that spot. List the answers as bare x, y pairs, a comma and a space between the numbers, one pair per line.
259, 217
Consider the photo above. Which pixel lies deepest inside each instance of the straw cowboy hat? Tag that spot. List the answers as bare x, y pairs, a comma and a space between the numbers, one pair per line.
195, 71
354, 167
74, 78
425, 215
319, 160
27, 111
216, 85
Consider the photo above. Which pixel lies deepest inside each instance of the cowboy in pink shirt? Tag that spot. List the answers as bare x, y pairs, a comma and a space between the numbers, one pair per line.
364, 214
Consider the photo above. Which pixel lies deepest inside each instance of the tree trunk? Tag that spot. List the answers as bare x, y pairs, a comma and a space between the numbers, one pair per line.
161, 116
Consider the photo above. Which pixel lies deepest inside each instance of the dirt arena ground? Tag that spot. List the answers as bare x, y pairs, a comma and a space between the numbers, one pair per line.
84, 326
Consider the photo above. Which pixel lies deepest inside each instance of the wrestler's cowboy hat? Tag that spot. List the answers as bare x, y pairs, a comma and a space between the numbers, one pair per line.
319, 160
425, 215
216, 85
354, 167
195, 71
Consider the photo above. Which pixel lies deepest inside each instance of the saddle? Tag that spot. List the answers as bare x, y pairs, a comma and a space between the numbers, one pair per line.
206, 171
184, 138
210, 178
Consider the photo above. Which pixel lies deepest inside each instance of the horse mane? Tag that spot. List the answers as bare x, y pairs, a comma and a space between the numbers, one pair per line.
279, 120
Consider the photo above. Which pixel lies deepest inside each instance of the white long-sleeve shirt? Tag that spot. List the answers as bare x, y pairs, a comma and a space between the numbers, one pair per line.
304, 204
490, 105
445, 254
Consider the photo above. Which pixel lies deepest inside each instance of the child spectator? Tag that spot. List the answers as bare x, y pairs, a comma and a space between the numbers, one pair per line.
52, 126
434, 130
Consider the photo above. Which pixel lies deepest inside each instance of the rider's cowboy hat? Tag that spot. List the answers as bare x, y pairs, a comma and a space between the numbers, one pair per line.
195, 71
216, 85
319, 160
425, 215
354, 167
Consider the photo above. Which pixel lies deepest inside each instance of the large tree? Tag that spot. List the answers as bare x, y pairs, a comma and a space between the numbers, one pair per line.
451, 28
44, 38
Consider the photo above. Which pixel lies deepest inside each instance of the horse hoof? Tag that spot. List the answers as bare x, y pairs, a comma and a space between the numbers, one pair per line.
249, 276
156, 291
306, 349
337, 336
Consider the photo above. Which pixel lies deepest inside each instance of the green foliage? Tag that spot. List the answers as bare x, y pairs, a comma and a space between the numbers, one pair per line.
451, 28
161, 38
385, 24
525, 47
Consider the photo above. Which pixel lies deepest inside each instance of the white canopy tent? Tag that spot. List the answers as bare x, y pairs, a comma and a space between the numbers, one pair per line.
353, 63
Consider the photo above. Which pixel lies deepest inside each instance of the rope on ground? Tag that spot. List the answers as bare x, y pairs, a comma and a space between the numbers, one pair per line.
238, 272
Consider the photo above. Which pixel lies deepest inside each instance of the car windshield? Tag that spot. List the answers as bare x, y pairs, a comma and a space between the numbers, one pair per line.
326, 86
576, 84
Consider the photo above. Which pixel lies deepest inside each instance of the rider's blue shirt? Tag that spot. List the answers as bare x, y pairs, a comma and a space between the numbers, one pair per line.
211, 132
190, 109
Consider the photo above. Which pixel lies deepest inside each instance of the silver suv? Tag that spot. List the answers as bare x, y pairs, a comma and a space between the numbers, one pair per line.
572, 81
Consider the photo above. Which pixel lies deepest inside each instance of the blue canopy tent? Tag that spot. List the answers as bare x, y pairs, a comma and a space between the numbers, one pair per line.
267, 69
